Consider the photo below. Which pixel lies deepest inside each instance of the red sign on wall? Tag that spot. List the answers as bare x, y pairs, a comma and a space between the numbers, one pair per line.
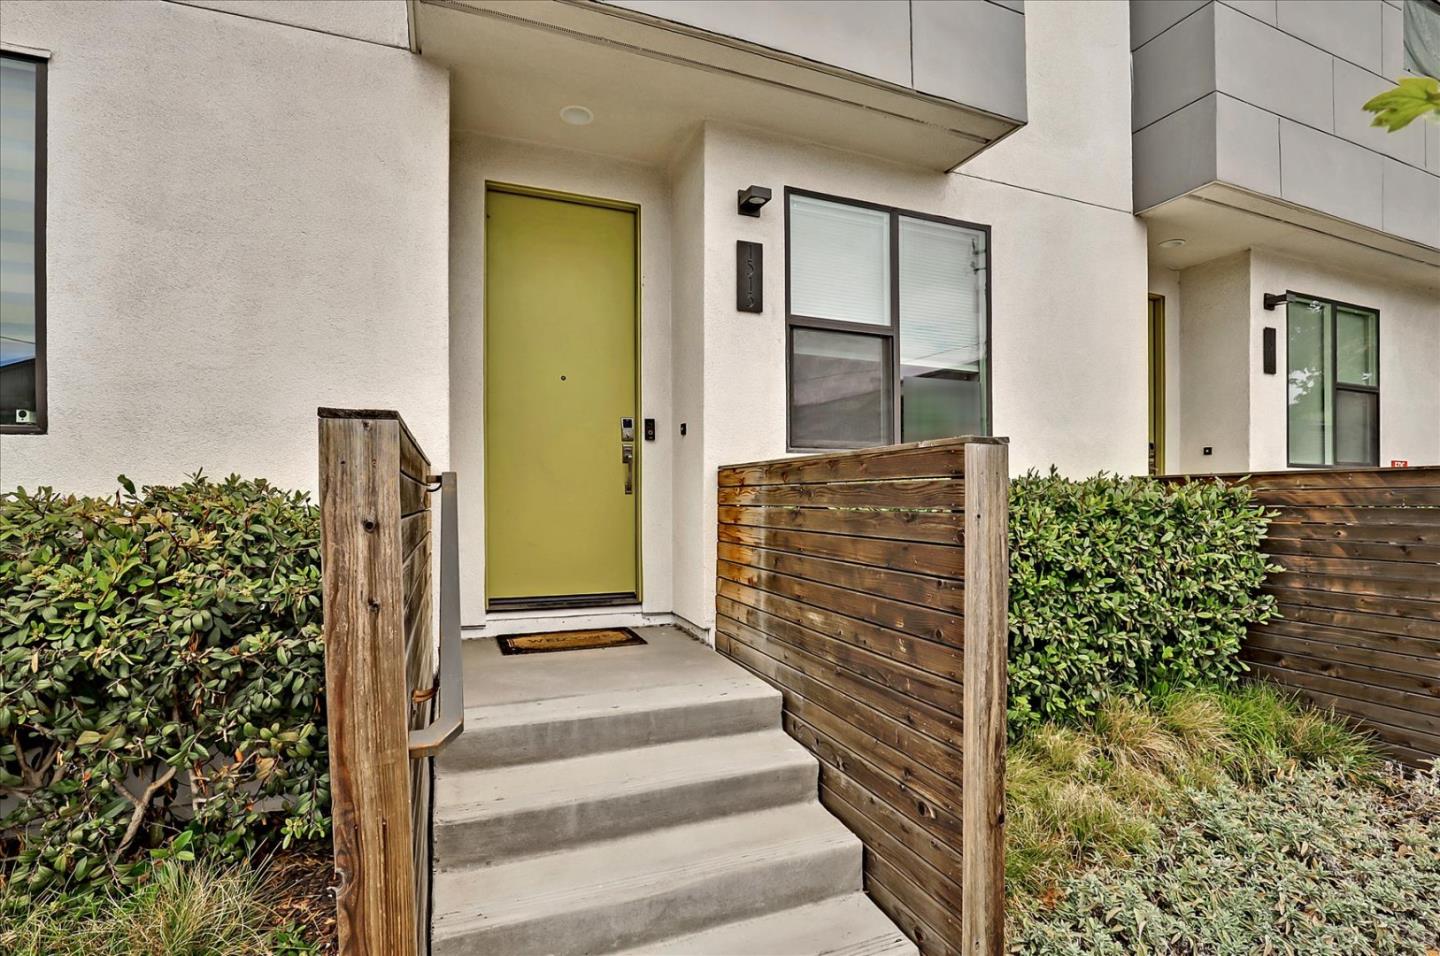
1399, 463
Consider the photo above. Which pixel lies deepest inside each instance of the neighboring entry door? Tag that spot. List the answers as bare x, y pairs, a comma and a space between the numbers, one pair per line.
1157, 384
561, 481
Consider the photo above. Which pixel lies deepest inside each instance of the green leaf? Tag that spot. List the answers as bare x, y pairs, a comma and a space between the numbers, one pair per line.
1411, 98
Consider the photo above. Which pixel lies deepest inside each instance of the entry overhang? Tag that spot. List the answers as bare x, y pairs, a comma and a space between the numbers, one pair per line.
1219, 219
650, 80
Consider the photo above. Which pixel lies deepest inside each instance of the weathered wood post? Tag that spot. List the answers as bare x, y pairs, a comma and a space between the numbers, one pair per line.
987, 599
366, 694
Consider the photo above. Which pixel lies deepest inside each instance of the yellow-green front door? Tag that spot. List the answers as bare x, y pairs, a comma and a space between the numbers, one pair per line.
560, 312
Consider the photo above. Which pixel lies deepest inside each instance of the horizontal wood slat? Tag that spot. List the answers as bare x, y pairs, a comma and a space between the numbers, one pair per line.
937, 527
1413, 496
929, 656
1359, 598
909, 493
925, 590
944, 458
844, 581
414, 496
937, 560
922, 622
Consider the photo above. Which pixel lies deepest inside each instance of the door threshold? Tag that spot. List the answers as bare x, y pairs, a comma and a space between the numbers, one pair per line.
562, 602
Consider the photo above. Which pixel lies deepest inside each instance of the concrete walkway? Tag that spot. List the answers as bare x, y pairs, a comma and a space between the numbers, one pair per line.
640, 800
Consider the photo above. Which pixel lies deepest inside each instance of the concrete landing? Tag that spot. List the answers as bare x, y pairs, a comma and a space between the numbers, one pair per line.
642, 800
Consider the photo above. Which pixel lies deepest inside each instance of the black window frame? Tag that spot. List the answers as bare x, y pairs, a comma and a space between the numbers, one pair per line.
891, 332
42, 409
1333, 380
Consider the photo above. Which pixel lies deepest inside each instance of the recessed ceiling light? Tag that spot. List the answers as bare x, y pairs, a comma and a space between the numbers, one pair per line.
1171, 243
577, 116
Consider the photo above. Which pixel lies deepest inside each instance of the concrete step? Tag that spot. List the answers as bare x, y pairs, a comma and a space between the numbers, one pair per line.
569, 726
849, 925
486, 816
636, 890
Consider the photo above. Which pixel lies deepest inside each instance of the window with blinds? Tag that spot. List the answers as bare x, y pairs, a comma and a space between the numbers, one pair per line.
888, 315
22, 244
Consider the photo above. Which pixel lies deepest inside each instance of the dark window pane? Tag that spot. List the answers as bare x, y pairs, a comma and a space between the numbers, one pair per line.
1357, 422
18, 339
839, 389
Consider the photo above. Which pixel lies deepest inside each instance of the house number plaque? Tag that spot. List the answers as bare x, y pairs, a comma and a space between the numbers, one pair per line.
749, 276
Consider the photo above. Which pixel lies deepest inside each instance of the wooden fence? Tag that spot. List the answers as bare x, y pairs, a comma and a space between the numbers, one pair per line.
381, 687
871, 588
1360, 597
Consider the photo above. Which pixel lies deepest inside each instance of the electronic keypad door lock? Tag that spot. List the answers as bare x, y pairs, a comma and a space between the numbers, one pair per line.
627, 452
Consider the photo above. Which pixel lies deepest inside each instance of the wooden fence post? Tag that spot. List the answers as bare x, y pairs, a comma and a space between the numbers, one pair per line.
987, 598
366, 699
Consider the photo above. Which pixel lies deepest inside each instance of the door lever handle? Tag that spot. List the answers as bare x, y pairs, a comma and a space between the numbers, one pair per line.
627, 456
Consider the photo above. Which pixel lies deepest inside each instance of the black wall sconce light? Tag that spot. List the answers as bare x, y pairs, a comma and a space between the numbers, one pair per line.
1268, 348
751, 200
1272, 299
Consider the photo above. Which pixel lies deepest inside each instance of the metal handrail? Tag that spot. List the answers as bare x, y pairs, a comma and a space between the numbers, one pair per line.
428, 741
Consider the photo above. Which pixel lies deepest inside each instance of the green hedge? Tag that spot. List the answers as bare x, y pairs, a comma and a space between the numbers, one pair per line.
1127, 586
161, 678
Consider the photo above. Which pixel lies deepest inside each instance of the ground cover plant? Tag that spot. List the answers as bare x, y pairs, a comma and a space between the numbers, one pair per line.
1127, 587
1217, 822
161, 683
200, 908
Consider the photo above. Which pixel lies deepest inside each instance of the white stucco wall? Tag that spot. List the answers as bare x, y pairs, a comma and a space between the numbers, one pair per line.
1214, 347
476, 161
1409, 358
694, 600
375, 21
246, 221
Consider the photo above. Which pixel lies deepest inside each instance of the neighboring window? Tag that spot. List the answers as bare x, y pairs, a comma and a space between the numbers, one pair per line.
1333, 356
22, 244
888, 320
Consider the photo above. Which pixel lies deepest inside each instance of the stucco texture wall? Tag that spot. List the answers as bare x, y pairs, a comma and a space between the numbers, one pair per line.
376, 21
476, 161
246, 221
1214, 348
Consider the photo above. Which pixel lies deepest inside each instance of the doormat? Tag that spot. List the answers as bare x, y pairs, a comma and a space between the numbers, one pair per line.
569, 641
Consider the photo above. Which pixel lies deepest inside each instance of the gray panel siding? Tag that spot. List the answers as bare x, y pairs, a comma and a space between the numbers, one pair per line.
1412, 203
1259, 9
870, 37
1392, 39
1353, 86
1350, 29
1272, 70
1292, 77
1329, 174
1176, 154
1178, 68
1150, 18
986, 75
970, 52
1247, 146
